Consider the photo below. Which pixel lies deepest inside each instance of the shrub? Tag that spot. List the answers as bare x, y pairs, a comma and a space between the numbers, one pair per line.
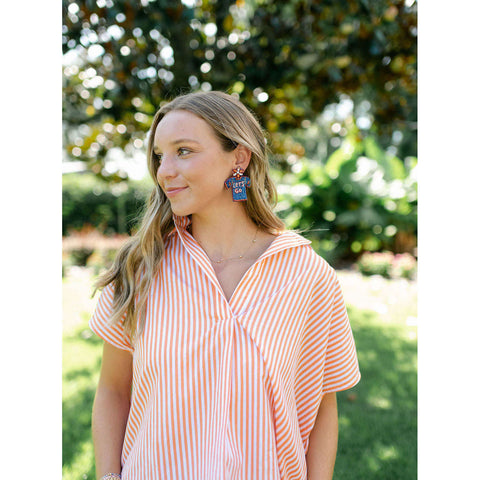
404, 266
359, 199
101, 259
79, 256
388, 265
377, 263
88, 247
109, 208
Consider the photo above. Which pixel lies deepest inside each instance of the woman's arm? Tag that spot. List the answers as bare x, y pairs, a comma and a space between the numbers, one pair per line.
110, 409
322, 448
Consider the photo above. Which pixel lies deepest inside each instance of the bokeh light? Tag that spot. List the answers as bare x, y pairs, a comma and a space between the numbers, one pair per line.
210, 29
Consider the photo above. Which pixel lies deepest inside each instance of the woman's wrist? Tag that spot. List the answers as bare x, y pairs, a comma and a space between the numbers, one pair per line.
111, 476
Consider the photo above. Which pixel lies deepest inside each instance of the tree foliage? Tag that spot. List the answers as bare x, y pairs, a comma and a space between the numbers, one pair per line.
286, 60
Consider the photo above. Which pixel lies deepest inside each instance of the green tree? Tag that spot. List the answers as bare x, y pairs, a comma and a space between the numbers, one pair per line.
286, 60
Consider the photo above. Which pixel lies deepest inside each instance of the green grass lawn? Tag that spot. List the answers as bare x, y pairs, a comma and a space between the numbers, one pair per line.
82, 352
377, 418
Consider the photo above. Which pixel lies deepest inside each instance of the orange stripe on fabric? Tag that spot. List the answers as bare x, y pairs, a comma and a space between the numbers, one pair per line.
231, 389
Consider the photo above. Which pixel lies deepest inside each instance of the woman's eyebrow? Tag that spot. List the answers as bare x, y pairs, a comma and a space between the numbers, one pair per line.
175, 142
181, 140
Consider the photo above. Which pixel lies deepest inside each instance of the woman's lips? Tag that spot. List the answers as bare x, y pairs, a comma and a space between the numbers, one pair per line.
171, 192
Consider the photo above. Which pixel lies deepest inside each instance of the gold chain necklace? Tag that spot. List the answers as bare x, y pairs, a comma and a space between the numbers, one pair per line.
238, 257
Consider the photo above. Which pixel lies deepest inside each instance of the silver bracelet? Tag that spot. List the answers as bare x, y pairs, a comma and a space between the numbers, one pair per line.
111, 476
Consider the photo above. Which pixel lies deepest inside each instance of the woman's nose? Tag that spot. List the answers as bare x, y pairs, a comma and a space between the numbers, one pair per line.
166, 168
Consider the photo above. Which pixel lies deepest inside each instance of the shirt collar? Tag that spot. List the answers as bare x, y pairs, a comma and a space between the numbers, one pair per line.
181, 222
287, 239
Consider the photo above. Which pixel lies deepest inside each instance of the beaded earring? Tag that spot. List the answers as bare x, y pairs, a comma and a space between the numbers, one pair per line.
238, 183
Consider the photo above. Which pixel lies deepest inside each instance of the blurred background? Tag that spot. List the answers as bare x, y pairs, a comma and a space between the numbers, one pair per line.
335, 86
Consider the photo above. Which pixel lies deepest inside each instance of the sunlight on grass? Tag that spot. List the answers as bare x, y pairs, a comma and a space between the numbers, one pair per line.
343, 421
82, 466
380, 402
387, 452
81, 367
372, 463
369, 356
378, 441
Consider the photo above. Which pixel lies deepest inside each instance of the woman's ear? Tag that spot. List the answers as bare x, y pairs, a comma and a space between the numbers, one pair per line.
242, 157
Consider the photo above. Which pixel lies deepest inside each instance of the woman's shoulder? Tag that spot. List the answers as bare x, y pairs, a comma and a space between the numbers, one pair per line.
292, 236
304, 249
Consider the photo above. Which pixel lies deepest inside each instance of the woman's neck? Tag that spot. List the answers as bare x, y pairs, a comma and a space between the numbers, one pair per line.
224, 234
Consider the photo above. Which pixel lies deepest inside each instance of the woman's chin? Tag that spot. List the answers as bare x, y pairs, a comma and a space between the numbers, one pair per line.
180, 211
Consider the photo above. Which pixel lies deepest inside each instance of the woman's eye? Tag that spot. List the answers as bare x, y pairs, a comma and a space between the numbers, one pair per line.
181, 151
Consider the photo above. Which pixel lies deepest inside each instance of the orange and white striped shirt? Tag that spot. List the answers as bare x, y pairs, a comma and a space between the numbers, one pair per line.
230, 389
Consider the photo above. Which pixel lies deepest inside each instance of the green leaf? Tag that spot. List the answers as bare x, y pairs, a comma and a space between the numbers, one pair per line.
346, 152
392, 166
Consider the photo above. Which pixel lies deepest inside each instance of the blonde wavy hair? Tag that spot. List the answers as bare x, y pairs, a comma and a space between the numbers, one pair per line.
138, 260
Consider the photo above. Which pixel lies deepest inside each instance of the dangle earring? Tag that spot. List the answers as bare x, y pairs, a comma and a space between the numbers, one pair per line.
238, 183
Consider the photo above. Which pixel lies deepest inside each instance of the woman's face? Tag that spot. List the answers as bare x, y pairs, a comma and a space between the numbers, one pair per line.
193, 165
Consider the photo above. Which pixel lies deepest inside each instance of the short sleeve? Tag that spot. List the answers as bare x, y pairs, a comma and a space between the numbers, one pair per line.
101, 325
341, 369
328, 359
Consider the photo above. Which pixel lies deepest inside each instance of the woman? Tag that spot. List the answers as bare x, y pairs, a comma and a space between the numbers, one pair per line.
226, 336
